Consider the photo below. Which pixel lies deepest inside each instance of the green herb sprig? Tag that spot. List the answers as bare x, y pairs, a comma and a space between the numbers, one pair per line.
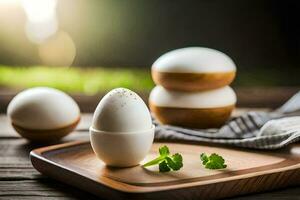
166, 161
214, 161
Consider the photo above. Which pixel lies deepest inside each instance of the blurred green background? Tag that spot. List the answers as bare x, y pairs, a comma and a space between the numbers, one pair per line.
93, 80
91, 46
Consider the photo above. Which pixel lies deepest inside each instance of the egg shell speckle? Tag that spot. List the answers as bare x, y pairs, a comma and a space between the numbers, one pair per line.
121, 110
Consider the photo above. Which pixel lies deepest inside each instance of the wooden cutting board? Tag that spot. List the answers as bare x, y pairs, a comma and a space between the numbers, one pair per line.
247, 172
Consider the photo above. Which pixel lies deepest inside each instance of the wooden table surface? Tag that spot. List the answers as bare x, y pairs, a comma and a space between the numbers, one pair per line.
19, 180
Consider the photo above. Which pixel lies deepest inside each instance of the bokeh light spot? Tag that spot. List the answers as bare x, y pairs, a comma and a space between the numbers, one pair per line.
38, 11
41, 19
58, 50
39, 32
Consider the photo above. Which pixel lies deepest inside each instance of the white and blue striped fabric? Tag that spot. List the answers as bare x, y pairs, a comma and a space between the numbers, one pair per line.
241, 131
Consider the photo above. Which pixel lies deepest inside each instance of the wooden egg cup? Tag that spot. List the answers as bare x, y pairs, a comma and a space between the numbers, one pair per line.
38, 135
201, 118
192, 81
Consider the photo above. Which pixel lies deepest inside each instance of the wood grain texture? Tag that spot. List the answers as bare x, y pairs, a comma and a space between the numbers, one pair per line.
192, 82
40, 189
20, 181
247, 172
7, 131
192, 117
45, 135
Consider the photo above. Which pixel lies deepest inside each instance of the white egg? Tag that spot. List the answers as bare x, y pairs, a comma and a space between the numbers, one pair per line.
37, 111
193, 69
122, 132
121, 110
216, 98
194, 60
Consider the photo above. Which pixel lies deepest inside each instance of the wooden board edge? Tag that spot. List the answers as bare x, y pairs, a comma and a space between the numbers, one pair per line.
36, 156
67, 176
197, 192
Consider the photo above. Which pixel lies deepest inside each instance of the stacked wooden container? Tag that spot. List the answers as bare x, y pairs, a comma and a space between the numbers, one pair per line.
192, 88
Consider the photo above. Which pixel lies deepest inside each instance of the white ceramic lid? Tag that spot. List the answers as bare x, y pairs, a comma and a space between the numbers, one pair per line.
43, 108
194, 60
220, 97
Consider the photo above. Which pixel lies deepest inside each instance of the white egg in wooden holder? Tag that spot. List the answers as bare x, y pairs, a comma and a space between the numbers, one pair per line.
204, 109
193, 69
43, 114
122, 132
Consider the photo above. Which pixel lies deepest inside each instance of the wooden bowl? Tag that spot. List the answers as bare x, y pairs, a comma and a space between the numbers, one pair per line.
205, 109
192, 81
200, 118
51, 135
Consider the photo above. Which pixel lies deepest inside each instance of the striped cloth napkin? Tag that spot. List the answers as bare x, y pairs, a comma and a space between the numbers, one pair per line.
241, 131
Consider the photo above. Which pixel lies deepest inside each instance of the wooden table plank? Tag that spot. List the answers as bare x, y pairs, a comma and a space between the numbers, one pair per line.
7, 131
285, 194
247, 97
40, 188
19, 180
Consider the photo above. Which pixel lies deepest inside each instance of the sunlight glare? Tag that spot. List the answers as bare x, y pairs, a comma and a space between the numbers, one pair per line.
39, 32
9, 2
41, 19
38, 11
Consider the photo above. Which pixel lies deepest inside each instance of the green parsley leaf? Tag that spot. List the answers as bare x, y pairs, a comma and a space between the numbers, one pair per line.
163, 167
165, 161
156, 161
204, 158
175, 161
164, 151
214, 161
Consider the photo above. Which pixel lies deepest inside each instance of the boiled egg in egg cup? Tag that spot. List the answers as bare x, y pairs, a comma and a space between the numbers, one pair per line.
122, 132
193, 69
203, 109
43, 114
